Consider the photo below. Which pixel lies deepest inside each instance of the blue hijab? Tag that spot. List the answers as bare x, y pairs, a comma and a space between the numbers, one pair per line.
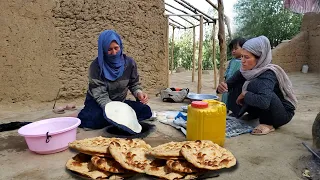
112, 66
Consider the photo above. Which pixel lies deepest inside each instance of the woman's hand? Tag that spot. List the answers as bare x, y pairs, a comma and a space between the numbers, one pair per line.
222, 87
143, 97
240, 98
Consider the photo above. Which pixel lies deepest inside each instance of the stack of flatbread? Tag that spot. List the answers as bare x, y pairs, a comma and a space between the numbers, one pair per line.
108, 158
189, 159
117, 158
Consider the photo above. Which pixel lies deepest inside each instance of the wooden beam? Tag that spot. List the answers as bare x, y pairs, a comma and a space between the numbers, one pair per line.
176, 26
214, 55
177, 23
228, 26
194, 53
189, 8
213, 5
198, 25
200, 57
181, 11
172, 47
226, 18
167, 54
209, 17
222, 41
181, 17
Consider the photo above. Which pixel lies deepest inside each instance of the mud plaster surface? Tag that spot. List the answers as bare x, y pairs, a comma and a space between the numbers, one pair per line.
47, 45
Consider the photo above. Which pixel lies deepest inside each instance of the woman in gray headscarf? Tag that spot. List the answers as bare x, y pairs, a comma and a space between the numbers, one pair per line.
260, 88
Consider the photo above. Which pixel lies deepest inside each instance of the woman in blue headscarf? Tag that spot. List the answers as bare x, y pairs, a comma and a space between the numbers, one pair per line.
111, 75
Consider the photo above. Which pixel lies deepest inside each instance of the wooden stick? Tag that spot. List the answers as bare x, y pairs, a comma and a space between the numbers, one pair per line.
167, 54
172, 47
190, 8
222, 41
176, 26
226, 18
194, 53
177, 23
214, 55
55, 100
181, 17
200, 57
196, 9
181, 11
228, 26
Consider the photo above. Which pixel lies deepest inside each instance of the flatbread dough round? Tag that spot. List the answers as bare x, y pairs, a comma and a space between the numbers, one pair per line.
207, 155
158, 168
182, 166
123, 114
93, 146
108, 164
171, 149
131, 154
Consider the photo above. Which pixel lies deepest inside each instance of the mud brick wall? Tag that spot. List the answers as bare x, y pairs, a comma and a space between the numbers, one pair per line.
49, 44
292, 55
311, 23
304, 48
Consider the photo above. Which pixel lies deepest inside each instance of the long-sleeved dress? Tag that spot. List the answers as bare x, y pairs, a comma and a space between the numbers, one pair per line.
102, 91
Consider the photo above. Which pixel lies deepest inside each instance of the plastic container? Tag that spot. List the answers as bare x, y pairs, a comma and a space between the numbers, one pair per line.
207, 121
50, 135
305, 69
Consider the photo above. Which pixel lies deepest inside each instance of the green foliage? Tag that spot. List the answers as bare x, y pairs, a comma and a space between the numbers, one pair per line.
266, 17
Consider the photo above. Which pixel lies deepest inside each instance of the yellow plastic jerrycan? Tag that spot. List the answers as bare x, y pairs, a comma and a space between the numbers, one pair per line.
207, 121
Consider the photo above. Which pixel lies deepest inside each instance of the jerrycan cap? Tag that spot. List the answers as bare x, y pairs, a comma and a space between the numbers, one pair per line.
199, 104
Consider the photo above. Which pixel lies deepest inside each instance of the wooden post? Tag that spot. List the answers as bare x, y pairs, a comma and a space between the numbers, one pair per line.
172, 47
214, 55
167, 54
194, 53
222, 41
200, 56
228, 26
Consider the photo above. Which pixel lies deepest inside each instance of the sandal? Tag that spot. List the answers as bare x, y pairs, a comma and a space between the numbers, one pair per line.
70, 107
59, 110
262, 130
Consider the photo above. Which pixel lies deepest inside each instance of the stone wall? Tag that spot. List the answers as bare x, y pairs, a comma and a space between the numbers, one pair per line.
47, 45
293, 54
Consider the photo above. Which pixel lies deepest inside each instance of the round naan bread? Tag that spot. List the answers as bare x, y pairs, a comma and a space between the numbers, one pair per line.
130, 153
207, 155
108, 164
182, 166
122, 114
93, 146
81, 164
159, 168
170, 149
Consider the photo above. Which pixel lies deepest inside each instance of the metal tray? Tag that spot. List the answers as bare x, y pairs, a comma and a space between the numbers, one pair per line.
200, 97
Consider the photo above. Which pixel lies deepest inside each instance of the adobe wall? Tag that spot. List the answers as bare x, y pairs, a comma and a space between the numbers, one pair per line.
292, 55
47, 45
304, 48
311, 23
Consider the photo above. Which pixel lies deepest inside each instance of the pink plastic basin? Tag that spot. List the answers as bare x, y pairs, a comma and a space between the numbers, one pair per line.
50, 135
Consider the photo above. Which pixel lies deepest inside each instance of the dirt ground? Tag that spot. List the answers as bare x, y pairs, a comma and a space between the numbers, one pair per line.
274, 156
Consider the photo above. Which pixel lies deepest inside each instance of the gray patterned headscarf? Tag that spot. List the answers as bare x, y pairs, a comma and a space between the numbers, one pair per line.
260, 46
